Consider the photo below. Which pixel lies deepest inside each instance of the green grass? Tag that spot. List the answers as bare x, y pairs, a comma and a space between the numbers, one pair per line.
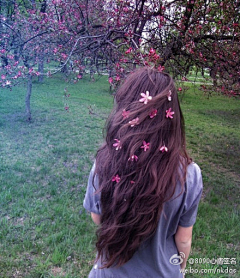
44, 166
213, 136
43, 172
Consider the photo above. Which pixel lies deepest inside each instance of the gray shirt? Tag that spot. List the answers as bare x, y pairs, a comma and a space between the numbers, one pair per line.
158, 256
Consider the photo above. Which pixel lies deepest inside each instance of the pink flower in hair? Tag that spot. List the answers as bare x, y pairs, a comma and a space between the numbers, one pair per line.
134, 122
133, 157
153, 113
145, 97
117, 145
163, 149
125, 114
145, 146
132, 182
116, 179
169, 113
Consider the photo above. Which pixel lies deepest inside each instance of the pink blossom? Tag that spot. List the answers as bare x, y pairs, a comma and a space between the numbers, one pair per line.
117, 78
134, 122
64, 56
162, 18
161, 68
145, 97
153, 113
132, 182
152, 51
133, 157
163, 149
169, 113
125, 114
116, 179
129, 50
110, 80
179, 89
66, 108
79, 76
3, 76
145, 146
117, 144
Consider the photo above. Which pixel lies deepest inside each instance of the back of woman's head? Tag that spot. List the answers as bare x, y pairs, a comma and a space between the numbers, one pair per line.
138, 166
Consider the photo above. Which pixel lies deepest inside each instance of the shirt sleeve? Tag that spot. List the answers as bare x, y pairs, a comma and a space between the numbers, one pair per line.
92, 197
194, 187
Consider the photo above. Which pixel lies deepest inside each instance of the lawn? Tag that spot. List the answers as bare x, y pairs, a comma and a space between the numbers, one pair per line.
44, 166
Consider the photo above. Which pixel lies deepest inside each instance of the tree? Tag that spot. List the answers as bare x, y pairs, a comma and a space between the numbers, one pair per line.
23, 40
119, 35
173, 35
30, 31
177, 35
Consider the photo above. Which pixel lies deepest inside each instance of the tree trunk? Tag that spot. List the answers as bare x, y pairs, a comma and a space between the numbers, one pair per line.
27, 99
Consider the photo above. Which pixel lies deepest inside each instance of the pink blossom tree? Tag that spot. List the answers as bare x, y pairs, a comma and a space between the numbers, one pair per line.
175, 36
34, 32
117, 36
24, 40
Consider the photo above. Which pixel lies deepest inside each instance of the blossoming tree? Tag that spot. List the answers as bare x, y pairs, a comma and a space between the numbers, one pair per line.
24, 41
172, 35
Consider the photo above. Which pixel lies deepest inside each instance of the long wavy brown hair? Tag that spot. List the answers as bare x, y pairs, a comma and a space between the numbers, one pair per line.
134, 181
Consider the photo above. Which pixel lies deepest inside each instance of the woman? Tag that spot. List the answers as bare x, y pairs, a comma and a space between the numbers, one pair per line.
143, 190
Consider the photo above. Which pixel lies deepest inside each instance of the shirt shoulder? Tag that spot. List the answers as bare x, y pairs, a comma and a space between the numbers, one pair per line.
193, 192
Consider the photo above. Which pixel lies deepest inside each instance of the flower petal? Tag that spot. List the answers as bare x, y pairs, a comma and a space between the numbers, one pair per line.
145, 97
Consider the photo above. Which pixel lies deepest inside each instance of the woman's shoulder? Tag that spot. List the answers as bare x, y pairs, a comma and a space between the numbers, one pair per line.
194, 184
193, 169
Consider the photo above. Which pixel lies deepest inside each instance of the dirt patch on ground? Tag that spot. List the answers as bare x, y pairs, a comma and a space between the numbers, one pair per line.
56, 271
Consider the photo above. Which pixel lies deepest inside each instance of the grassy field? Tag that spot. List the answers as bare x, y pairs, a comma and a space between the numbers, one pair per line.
44, 166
